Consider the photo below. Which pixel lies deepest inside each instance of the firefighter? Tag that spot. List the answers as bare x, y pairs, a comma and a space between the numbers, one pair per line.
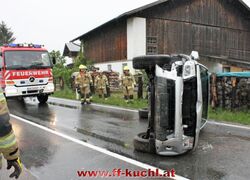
8, 143
128, 84
101, 84
83, 82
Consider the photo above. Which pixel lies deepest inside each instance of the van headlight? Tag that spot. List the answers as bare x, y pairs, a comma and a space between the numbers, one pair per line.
187, 70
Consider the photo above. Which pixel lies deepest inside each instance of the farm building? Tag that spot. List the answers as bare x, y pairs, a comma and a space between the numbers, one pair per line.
218, 29
71, 50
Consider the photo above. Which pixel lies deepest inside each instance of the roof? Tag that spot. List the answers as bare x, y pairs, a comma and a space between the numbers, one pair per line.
124, 15
137, 10
71, 47
228, 61
234, 74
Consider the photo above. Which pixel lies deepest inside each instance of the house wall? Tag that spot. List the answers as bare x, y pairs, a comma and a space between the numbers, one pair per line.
107, 44
212, 27
217, 29
136, 37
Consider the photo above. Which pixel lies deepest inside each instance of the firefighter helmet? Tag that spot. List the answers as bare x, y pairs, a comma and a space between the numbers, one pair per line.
82, 67
125, 68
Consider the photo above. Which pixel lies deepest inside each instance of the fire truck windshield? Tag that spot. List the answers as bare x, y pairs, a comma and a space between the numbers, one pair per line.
27, 59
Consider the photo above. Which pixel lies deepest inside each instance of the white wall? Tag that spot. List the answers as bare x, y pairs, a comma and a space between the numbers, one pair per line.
212, 66
136, 37
116, 66
136, 46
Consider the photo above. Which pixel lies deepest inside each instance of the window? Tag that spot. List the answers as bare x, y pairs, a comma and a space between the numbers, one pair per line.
204, 84
226, 69
152, 45
151, 40
109, 67
27, 59
151, 50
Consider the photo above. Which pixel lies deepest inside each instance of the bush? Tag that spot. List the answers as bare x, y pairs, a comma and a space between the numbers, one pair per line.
61, 71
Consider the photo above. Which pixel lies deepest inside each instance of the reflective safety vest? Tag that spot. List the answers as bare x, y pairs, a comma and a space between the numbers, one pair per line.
101, 82
8, 143
128, 81
83, 80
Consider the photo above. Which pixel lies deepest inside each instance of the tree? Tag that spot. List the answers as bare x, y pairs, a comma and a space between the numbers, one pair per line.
60, 60
6, 35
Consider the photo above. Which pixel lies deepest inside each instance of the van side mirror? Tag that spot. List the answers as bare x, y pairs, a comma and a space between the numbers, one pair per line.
195, 55
53, 60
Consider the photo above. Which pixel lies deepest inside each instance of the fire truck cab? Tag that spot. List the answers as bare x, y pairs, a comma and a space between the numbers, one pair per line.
26, 71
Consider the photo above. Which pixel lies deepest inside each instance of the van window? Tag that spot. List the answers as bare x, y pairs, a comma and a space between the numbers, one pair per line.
205, 86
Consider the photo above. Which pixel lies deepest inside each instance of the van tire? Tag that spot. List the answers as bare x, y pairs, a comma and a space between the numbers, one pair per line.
144, 145
146, 62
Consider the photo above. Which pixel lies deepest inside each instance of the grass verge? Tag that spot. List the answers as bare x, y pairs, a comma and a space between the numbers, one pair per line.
116, 99
242, 117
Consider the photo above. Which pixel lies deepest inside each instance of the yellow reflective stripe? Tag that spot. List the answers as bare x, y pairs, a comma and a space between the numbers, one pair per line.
8, 145
8, 136
20, 163
8, 141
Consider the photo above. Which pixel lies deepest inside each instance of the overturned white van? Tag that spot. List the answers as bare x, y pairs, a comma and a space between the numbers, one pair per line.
178, 103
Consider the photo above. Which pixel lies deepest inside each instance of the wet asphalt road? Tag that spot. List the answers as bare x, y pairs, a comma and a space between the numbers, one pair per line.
222, 153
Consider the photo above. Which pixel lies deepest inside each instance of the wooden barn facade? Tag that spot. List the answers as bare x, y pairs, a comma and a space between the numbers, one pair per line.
218, 29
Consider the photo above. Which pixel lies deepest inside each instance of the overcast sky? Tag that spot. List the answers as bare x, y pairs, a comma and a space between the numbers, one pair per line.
55, 22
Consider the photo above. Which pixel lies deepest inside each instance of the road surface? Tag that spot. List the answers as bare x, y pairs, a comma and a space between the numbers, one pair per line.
222, 153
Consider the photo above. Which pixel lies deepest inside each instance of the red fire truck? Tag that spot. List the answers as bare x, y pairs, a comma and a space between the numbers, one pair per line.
26, 70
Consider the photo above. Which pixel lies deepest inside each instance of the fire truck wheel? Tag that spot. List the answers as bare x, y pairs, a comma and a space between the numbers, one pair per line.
145, 62
144, 145
20, 98
42, 98
143, 113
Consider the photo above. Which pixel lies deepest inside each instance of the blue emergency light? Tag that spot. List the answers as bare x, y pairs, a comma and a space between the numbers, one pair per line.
37, 46
13, 45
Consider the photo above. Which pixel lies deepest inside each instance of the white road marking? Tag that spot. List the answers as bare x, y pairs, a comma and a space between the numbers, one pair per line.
112, 107
96, 148
228, 125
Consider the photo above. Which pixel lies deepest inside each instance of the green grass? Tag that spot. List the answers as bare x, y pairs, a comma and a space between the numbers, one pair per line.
242, 117
116, 99
66, 93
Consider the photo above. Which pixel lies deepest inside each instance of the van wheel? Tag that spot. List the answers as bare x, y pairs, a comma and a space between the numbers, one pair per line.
143, 113
146, 62
42, 98
144, 145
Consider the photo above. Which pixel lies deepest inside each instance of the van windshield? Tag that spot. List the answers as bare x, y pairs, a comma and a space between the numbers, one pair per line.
27, 59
